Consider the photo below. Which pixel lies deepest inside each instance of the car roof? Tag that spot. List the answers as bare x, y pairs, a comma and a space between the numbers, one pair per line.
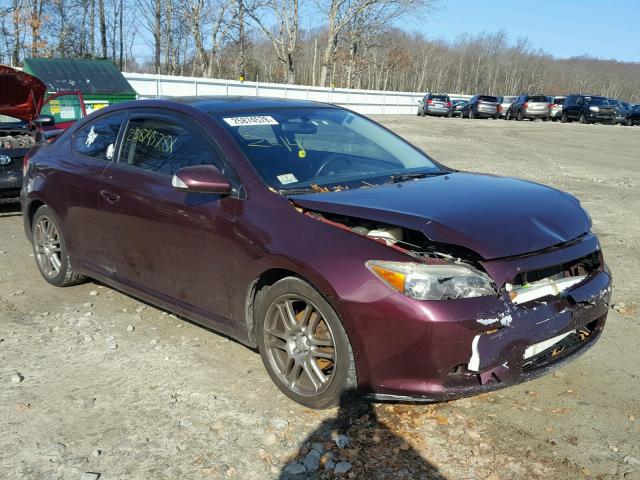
223, 103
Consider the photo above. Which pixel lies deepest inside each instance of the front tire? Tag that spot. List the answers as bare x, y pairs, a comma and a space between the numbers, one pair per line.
50, 251
564, 118
582, 118
303, 345
471, 114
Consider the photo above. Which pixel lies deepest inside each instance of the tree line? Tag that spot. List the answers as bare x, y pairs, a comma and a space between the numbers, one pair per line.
341, 43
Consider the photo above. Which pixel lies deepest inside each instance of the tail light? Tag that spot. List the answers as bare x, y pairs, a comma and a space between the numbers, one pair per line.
429, 102
526, 105
25, 164
499, 108
449, 104
550, 106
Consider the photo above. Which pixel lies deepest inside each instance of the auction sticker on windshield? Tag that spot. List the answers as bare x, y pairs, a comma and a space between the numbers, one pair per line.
249, 121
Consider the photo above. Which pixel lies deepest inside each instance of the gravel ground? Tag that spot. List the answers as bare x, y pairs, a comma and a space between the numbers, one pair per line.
95, 384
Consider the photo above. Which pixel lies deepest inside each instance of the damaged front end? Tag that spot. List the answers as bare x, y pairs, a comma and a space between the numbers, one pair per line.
460, 324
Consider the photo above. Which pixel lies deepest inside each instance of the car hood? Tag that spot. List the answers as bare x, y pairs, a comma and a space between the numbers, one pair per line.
21, 94
494, 216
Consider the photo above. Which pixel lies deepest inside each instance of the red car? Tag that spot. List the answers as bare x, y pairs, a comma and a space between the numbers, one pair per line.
346, 255
22, 124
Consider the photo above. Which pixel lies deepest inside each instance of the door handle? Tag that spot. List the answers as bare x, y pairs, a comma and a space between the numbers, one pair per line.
109, 197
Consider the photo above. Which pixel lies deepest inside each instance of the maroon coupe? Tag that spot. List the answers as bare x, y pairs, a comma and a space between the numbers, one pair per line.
347, 256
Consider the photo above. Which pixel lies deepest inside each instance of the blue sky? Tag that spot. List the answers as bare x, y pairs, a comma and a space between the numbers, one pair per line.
563, 28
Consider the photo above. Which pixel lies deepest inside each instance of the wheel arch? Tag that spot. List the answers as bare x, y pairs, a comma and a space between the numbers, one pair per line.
29, 213
257, 287
267, 278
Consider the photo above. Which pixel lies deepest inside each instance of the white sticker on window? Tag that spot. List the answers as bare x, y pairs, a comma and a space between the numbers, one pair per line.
110, 151
287, 178
67, 112
91, 137
251, 121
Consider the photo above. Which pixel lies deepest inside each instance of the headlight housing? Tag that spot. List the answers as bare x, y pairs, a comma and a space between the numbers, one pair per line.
433, 282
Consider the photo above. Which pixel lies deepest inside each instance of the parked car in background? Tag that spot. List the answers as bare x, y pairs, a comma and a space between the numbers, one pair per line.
505, 103
621, 109
555, 106
26, 119
481, 106
529, 107
587, 109
456, 108
348, 257
437, 104
633, 117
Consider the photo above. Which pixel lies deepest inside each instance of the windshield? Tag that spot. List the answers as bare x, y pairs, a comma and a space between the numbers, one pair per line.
486, 98
316, 149
441, 98
538, 99
6, 119
599, 101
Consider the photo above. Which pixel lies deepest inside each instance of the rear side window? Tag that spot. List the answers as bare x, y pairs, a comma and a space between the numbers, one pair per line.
164, 146
98, 139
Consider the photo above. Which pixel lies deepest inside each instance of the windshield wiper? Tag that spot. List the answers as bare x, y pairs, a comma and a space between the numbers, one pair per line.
297, 191
403, 177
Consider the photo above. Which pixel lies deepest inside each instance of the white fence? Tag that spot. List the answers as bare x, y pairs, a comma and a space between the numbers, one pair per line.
368, 102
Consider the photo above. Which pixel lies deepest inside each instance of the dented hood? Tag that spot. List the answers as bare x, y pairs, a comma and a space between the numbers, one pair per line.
21, 94
493, 216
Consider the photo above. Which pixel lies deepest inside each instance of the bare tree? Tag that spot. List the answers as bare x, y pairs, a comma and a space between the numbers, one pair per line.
284, 34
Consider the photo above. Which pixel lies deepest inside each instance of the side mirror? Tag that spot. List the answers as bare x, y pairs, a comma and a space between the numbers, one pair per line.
45, 120
201, 178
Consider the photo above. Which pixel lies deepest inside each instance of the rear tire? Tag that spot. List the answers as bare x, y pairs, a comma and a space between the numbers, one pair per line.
519, 116
471, 114
303, 345
50, 251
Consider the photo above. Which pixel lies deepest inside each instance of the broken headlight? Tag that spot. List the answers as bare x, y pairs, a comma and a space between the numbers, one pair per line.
433, 282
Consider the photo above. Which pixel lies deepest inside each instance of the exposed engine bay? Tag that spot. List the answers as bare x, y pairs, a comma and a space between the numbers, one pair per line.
525, 288
17, 139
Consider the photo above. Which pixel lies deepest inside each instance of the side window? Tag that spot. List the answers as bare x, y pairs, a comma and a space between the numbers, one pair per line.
164, 146
98, 139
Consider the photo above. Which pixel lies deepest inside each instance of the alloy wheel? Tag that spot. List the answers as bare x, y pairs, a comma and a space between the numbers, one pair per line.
47, 246
300, 345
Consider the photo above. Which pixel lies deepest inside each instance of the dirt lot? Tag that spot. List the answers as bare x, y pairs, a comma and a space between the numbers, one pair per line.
95, 384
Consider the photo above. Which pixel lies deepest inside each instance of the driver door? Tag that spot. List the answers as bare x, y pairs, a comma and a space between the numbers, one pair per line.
172, 245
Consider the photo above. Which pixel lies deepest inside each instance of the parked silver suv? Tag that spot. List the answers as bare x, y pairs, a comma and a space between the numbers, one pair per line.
435, 104
531, 107
505, 103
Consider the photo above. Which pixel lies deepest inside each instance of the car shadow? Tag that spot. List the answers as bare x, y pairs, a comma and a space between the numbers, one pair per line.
10, 210
373, 450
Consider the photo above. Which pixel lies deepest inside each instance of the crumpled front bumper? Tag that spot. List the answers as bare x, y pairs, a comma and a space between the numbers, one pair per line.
423, 350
